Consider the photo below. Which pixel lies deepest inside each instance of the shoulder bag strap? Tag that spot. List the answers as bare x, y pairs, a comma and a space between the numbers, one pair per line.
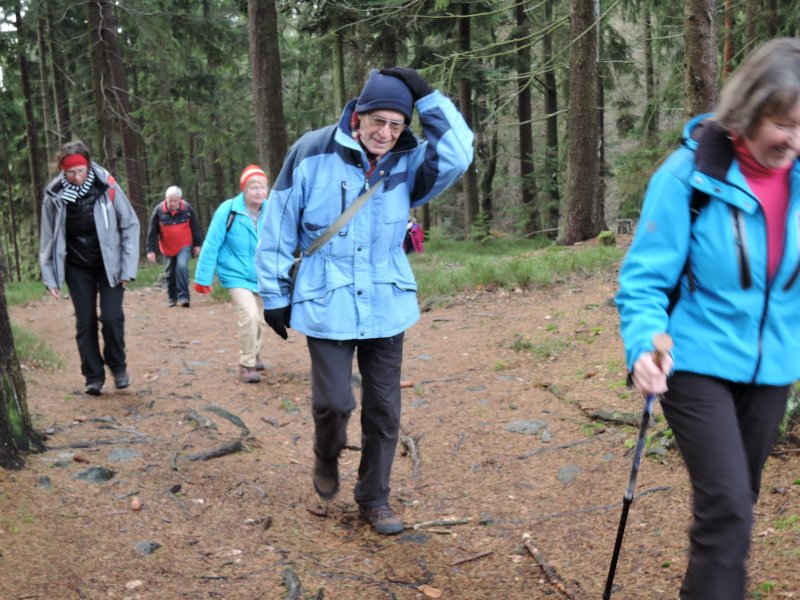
343, 219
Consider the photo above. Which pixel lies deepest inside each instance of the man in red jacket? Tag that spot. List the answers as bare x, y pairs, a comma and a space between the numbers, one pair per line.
174, 224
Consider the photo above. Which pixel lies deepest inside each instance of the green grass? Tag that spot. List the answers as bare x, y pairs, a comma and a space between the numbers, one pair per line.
20, 292
450, 267
33, 351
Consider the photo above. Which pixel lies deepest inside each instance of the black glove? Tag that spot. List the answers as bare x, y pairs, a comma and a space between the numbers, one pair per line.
413, 80
278, 319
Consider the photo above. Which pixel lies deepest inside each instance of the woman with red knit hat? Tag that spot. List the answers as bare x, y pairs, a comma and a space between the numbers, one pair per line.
90, 239
229, 249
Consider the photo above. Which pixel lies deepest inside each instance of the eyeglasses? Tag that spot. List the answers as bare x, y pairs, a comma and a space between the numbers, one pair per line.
77, 171
380, 123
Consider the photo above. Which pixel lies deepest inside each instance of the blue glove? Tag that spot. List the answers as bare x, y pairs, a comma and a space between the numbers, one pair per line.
278, 319
413, 80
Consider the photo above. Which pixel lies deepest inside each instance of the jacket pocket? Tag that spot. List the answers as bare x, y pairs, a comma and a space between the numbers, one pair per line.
796, 271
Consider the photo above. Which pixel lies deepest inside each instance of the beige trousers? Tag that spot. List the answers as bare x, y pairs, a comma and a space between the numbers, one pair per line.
251, 324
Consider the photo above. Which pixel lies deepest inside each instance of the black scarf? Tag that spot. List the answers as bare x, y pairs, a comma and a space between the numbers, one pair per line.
71, 191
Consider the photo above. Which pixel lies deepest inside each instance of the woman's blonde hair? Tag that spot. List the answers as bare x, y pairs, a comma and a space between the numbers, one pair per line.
765, 85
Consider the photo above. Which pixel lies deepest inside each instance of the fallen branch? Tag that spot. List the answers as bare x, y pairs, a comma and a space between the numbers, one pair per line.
224, 450
102, 442
292, 584
442, 379
410, 444
785, 451
274, 422
613, 416
552, 577
472, 557
559, 447
229, 416
441, 523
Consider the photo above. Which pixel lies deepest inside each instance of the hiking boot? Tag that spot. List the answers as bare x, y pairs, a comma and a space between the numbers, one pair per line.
260, 366
185, 303
326, 477
121, 380
93, 388
382, 518
172, 303
248, 374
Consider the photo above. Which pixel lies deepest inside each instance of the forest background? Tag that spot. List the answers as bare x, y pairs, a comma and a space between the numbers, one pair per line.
573, 102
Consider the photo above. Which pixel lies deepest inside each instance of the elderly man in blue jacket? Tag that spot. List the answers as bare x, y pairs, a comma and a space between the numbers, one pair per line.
357, 293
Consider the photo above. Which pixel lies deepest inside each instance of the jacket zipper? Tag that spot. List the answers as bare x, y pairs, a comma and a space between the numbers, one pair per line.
761, 323
343, 230
741, 246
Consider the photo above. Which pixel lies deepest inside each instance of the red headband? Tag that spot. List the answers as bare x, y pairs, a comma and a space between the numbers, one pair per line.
74, 160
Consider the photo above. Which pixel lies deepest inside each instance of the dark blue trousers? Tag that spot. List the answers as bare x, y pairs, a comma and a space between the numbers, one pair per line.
725, 432
84, 287
379, 362
177, 270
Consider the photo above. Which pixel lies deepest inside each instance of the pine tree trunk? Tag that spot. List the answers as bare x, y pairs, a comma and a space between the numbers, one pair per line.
582, 153
16, 432
130, 139
104, 150
36, 159
12, 217
44, 85
267, 91
651, 115
550, 211
465, 99
337, 47
598, 208
700, 38
57, 74
524, 117
751, 19
727, 43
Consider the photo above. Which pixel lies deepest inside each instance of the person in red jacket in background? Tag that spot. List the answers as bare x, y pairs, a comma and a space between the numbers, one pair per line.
174, 225
415, 238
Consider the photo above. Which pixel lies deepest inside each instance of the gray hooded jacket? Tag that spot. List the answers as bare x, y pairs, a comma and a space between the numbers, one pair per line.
117, 231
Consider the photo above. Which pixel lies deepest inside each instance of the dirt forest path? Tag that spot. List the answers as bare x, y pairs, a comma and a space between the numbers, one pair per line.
499, 443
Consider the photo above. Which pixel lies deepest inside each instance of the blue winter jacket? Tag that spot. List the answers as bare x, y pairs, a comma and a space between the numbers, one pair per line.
231, 253
359, 285
733, 322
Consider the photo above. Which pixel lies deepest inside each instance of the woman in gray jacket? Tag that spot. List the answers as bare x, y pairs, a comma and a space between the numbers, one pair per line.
90, 239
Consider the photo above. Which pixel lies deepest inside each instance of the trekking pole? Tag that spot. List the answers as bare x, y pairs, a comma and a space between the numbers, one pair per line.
663, 344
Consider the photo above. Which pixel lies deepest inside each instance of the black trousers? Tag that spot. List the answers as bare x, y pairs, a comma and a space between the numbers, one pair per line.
379, 362
84, 287
725, 432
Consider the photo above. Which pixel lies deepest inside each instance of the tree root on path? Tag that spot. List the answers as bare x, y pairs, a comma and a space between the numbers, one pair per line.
224, 450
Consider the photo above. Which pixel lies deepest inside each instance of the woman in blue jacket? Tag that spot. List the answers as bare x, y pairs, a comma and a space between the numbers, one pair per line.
358, 291
229, 249
735, 266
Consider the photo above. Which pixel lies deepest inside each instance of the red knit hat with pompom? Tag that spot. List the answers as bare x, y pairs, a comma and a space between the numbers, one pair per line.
251, 171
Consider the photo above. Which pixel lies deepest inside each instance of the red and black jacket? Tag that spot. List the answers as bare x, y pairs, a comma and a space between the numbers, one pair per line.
174, 230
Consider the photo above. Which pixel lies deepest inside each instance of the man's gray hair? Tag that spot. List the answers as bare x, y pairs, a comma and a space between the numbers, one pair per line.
173, 191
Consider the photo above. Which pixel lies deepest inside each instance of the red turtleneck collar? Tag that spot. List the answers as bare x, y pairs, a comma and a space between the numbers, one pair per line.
771, 187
